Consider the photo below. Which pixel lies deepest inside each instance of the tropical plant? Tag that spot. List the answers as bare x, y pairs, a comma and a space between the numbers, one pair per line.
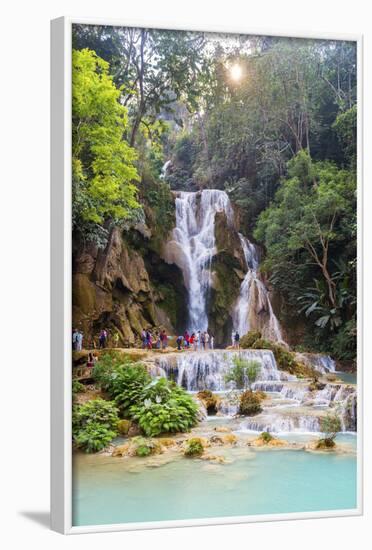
164, 407
94, 424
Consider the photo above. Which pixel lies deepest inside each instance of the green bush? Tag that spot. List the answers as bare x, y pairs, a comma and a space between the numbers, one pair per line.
94, 424
124, 383
164, 407
250, 403
77, 387
249, 339
194, 447
94, 437
266, 437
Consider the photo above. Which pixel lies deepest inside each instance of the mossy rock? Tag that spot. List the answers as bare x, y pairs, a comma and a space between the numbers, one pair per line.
209, 400
250, 403
248, 340
124, 426
143, 446
325, 443
194, 447
286, 360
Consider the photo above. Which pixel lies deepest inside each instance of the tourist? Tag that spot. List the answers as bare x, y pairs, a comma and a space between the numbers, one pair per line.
206, 338
75, 332
186, 338
102, 338
179, 342
236, 339
163, 340
233, 338
157, 340
196, 341
143, 339
199, 339
192, 340
91, 360
79, 340
148, 339
211, 342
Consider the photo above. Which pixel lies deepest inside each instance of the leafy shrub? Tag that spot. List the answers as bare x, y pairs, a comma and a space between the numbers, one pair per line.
123, 382
94, 424
250, 403
164, 407
266, 437
78, 387
94, 437
194, 447
249, 339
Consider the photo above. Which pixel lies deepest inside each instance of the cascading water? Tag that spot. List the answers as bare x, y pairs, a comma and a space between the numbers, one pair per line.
253, 308
193, 246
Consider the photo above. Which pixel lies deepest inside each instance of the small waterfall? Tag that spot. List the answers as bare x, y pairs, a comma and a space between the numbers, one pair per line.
322, 363
164, 169
193, 246
281, 423
253, 308
197, 371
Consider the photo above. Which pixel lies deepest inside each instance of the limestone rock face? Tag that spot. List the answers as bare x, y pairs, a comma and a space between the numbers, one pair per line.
112, 289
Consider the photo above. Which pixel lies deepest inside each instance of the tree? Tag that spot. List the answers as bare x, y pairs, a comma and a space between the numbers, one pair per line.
103, 170
330, 425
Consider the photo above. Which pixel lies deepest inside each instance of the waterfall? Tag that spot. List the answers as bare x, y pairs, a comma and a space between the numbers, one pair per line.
193, 246
206, 370
253, 308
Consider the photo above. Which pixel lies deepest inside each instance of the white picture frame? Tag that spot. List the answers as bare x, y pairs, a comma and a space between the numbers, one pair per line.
61, 400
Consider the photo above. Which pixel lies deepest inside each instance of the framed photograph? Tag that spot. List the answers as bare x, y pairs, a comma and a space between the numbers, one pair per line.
206, 275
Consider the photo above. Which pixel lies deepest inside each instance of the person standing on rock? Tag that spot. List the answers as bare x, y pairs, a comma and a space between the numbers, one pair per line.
143, 338
237, 338
75, 333
102, 338
192, 340
163, 340
196, 340
233, 338
206, 337
79, 340
179, 342
211, 342
148, 340
199, 339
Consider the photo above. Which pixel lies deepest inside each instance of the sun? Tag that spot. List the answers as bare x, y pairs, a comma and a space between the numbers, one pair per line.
236, 72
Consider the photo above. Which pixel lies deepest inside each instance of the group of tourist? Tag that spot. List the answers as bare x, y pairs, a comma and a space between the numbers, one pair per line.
196, 340
158, 340
235, 339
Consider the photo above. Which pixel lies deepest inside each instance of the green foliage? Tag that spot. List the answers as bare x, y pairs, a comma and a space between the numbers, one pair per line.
309, 234
103, 168
243, 373
77, 387
330, 425
164, 407
266, 437
123, 382
346, 128
250, 403
94, 424
193, 447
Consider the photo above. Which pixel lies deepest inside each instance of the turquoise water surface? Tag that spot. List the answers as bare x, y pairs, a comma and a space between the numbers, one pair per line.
107, 490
